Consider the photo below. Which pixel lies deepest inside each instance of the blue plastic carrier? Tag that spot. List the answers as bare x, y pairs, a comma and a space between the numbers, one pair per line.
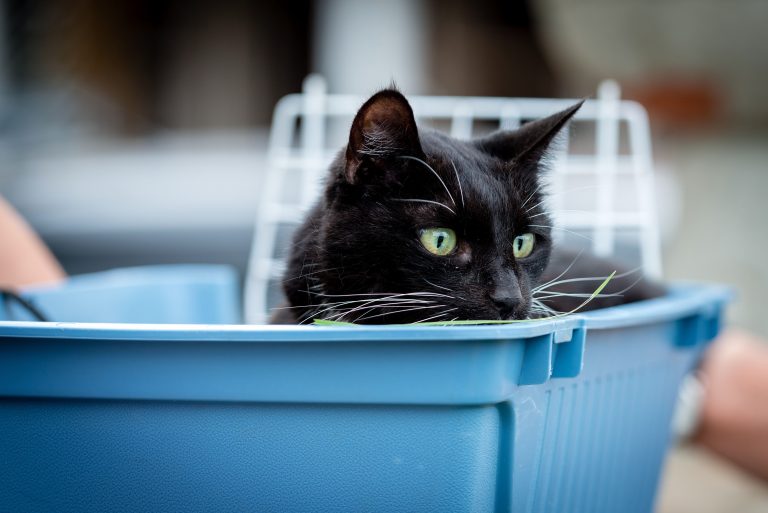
570, 415
165, 294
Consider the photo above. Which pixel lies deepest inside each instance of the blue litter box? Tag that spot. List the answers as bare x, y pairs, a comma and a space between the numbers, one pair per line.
166, 294
570, 415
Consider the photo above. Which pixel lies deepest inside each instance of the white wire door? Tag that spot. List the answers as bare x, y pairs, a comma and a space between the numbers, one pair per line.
600, 181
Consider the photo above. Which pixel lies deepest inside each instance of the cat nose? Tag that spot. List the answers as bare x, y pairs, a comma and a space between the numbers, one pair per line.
506, 299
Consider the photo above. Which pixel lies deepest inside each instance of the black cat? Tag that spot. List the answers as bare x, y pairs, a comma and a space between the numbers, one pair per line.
416, 226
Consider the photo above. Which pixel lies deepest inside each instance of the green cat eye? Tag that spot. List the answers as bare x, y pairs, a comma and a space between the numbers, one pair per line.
523, 245
439, 241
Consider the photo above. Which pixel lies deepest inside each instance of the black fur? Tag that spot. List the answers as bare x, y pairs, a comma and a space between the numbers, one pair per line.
362, 237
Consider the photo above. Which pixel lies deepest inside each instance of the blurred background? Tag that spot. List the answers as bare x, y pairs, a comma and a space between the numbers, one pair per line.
134, 131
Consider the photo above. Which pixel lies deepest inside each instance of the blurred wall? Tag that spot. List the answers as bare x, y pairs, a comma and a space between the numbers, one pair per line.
361, 46
131, 67
488, 48
715, 44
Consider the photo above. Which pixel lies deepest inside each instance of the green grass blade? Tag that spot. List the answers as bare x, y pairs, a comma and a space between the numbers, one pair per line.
602, 286
326, 322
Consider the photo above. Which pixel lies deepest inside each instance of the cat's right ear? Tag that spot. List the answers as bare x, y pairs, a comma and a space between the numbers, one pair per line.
529, 143
383, 130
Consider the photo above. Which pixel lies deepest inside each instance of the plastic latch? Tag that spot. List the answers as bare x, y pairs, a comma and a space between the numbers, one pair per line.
698, 328
689, 330
713, 326
712, 323
569, 356
537, 360
563, 335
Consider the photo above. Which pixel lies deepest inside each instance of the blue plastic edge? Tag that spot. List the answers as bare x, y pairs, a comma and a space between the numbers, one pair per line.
474, 365
683, 300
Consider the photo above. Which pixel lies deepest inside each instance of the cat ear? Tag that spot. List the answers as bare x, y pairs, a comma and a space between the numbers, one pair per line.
384, 128
529, 142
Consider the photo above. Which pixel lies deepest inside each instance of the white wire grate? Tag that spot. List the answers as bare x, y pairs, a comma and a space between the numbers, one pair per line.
601, 178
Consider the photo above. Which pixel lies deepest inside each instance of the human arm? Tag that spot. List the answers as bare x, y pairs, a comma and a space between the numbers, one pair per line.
734, 416
24, 258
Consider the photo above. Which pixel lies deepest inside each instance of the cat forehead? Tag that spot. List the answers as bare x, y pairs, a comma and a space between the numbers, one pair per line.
482, 176
468, 157
440, 144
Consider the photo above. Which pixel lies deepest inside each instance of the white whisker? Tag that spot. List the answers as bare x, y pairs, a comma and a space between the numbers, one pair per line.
434, 173
426, 201
458, 180
552, 295
399, 311
532, 195
538, 287
554, 282
536, 205
438, 286
562, 229
391, 294
435, 316
366, 302
370, 307
304, 275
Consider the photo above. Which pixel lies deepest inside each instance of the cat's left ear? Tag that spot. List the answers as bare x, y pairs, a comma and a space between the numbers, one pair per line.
383, 129
529, 143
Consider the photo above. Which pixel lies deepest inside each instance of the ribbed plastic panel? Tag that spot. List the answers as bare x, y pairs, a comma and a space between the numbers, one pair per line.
594, 462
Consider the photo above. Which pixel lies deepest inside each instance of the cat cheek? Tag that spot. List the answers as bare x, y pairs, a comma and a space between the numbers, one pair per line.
464, 253
537, 267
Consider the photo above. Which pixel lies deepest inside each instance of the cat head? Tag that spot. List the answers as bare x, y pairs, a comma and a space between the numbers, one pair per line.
417, 225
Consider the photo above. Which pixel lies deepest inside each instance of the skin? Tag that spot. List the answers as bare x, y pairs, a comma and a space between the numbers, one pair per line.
24, 259
734, 418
